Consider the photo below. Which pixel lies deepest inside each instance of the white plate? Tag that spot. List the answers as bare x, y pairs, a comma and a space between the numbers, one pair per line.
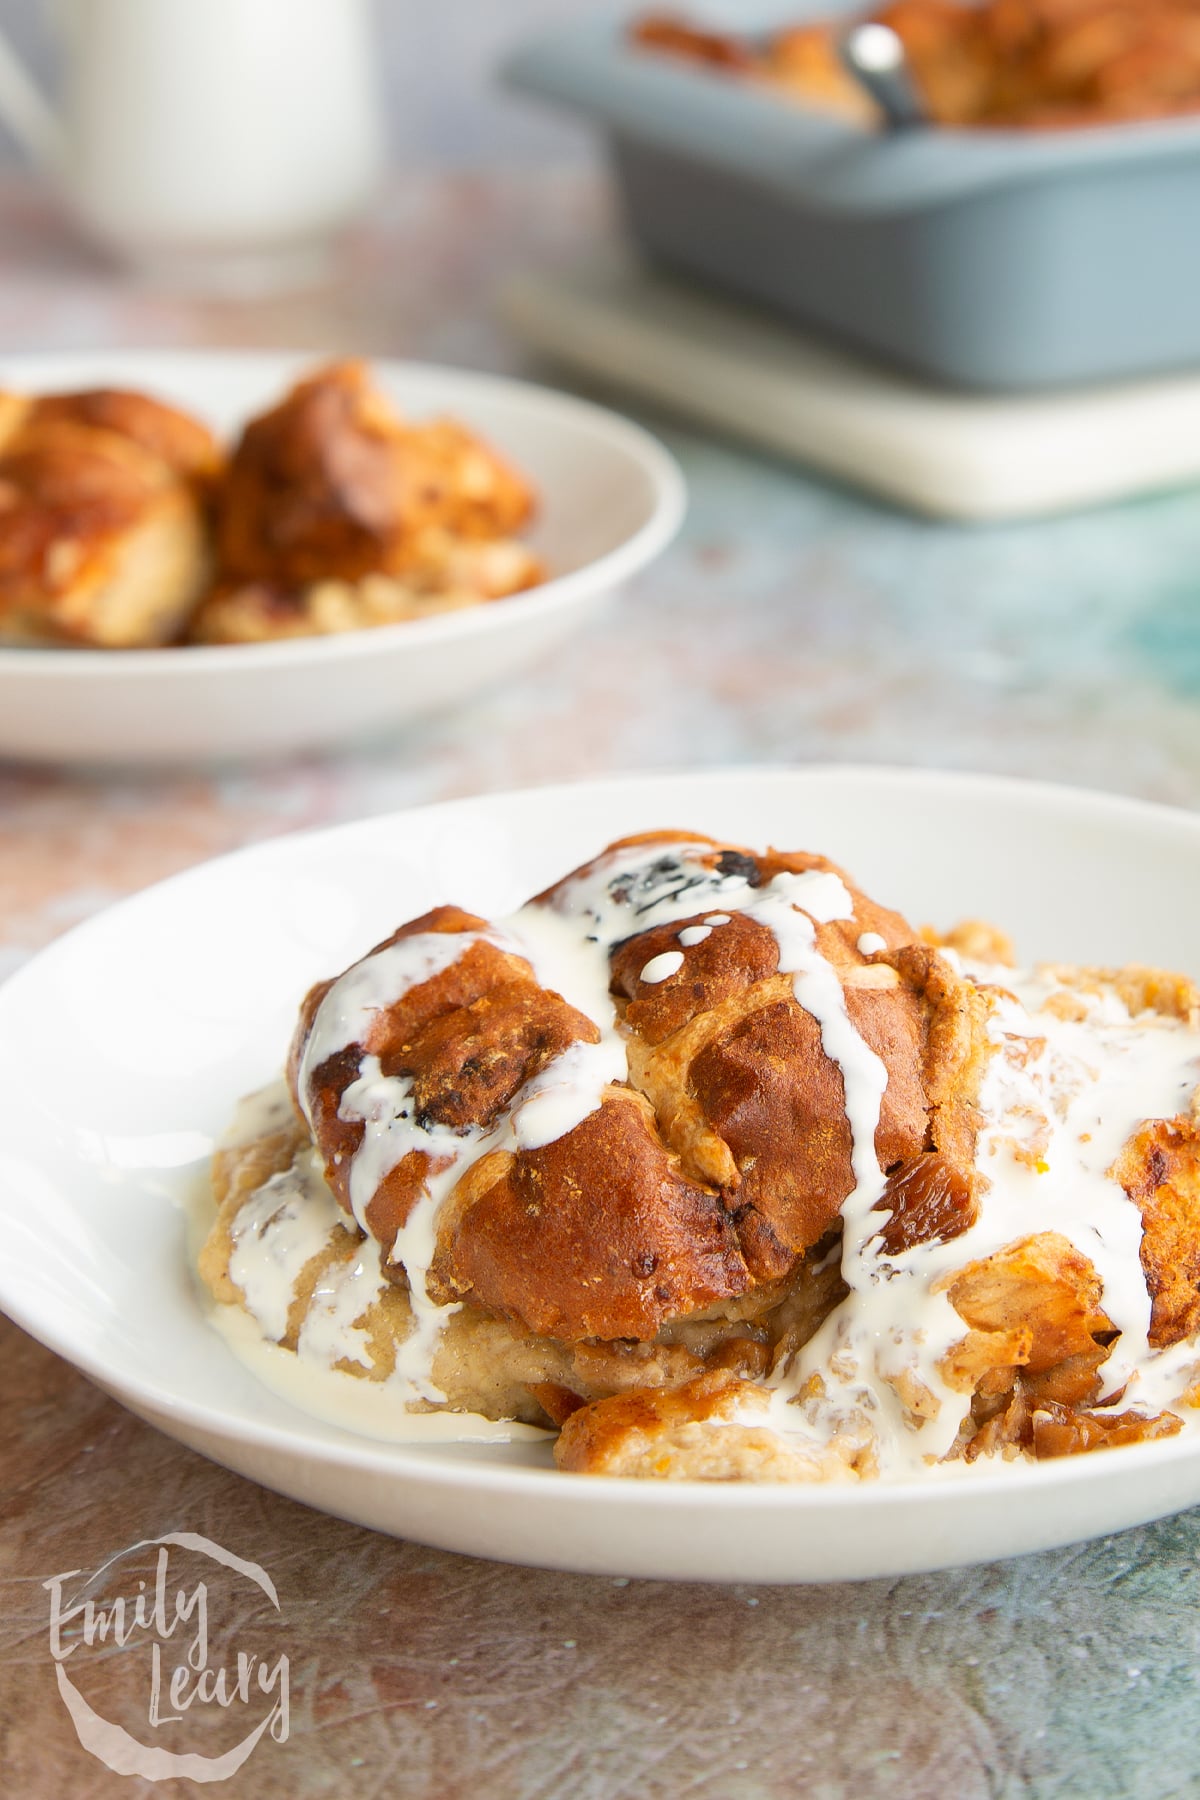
124, 1046
611, 499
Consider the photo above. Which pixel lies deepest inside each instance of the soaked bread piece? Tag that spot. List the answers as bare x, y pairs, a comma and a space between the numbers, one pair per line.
339, 515
103, 519
1159, 1169
332, 485
736, 1068
704, 1430
121, 527
1033, 1305
448, 575
596, 1234
482, 1363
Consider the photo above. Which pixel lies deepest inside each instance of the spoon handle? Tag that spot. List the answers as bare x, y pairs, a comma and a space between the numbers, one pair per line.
875, 56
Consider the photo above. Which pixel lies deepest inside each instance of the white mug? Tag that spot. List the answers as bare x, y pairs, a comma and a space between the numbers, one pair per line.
193, 129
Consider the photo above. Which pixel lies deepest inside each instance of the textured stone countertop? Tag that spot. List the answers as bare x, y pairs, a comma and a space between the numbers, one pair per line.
793, 621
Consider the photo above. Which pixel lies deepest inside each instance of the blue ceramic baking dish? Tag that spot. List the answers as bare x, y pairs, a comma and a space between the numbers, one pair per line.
981, 259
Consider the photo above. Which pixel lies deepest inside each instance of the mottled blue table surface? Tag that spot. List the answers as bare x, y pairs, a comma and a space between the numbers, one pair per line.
793, 621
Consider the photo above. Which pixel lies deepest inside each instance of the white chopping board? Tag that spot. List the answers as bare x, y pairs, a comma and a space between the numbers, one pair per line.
952, 455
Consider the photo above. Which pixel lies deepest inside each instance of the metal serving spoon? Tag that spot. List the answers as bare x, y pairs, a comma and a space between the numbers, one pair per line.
875, 56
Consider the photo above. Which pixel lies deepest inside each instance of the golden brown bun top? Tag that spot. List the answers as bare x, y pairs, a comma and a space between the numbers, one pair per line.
80, 476
333, 484
177, 439
723, 1160
77, 473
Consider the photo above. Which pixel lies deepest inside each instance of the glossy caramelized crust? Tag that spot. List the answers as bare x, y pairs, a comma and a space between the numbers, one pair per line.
174, 437
723, 1160
594, 1235
741, 1084
332, 484
597, 1234
103, 531
469, 1038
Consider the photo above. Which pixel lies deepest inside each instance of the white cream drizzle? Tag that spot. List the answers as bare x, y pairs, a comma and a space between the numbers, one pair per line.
553, 1102
1095, 1082
290, 1219
282, 1226
661, 968
629, 891
1092, 1083
366, 1408
345, 1290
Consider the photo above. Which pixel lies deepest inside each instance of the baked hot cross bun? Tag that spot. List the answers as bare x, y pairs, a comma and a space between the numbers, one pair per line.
338, 514
104, 499
646, 1095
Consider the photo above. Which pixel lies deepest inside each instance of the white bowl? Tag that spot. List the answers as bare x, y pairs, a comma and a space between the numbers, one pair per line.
124, 1046
611, 499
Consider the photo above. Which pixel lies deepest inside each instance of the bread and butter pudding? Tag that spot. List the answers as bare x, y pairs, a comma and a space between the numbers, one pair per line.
123, 524
718, 1167
337, 514
104, 537
992, 64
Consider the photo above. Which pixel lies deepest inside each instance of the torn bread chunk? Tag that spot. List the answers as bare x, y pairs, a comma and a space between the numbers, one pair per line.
104, 536
339, 515
713, 1428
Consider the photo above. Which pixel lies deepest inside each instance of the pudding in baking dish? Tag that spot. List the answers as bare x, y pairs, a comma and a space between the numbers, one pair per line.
712, 1164
976, 64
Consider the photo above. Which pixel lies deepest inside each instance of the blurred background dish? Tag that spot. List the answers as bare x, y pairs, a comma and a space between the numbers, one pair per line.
610, 498
987, 259
1041, 64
